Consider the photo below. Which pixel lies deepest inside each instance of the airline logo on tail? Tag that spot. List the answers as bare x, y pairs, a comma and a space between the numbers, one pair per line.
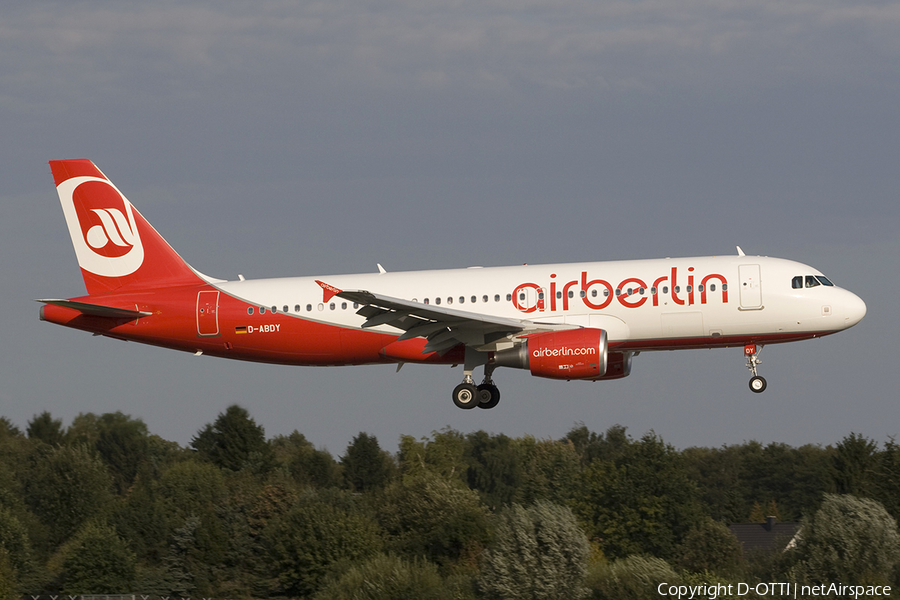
101, 223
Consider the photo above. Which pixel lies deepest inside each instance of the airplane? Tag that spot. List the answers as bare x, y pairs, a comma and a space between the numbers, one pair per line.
577, 321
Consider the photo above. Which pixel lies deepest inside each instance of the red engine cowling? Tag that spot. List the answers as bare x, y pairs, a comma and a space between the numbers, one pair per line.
569, 354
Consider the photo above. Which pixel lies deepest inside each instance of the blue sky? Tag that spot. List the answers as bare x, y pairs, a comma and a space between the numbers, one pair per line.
310, 138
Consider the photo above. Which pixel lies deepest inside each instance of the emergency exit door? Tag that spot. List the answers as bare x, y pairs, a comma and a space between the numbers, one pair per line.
751, 289
207, 313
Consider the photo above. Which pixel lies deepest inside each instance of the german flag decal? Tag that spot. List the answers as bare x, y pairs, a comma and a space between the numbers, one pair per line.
240, 330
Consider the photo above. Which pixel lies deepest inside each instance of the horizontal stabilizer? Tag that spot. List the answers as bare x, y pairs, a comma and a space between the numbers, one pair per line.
98, 310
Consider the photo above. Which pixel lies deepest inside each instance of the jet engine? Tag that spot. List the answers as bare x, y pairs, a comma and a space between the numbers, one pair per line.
569, 354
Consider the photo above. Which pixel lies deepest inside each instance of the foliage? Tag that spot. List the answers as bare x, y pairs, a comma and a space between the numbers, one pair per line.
95, 561
306, 464
45, 428
366, 466
66, 486
848, 539
234, 442
8, 577
384, 577
15, 544
539, 553
427, 515
494, 469
632, 578
638, 501
710, 546
854, 461
314, 535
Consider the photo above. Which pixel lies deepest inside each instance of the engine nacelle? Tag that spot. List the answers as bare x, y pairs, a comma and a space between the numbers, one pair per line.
618, 365
568, 354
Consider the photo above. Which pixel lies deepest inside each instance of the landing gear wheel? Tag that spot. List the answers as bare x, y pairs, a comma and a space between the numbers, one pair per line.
466, 396
758, 384
489, 395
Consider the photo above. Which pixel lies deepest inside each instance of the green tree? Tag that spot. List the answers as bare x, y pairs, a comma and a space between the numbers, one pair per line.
440, 519
234, 441
539, 553
306, 464
633, 578
548, 469
366, 466
15, 544
383, 577
123, 444
45, 428
8, 579
641, 501
96, 561
443, 454
495, 469
710, 546
848, 539
65, 486
854, 464
314, 535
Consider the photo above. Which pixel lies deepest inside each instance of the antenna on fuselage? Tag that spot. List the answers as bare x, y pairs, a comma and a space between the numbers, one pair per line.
740, 252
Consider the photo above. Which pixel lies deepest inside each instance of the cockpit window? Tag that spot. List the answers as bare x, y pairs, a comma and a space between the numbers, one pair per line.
811, 281
797, 282
824, 280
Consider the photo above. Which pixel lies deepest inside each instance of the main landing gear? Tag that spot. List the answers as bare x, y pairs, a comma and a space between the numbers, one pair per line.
757, 383
468, 395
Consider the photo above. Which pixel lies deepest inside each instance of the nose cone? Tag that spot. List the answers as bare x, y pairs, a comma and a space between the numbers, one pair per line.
853, 309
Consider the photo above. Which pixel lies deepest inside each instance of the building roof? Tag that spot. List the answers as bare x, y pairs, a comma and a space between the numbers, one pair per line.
765, 537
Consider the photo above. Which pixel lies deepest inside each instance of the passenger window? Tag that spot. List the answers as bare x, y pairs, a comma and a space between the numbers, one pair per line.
250, 310
521, 297
462, 299
558, 295
724, 287
665, 289
437, 300
296, 308
484, 298
811, 281
425, 301
653, 291
689, 289
618, 292
593, 293
571, 294
274, 309
508, 298
450, 300
797, 282
285, 307
331, 306
677, 288
712, 287
262, 310
343, 306
700, 288
474, 299
308, 307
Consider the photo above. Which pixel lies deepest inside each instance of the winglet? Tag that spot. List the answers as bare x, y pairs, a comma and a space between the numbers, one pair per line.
328, 291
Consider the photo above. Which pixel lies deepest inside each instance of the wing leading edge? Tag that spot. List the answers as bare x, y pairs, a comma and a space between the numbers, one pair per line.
444, 328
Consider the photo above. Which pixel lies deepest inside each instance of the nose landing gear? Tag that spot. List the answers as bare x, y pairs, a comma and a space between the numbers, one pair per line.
757, 383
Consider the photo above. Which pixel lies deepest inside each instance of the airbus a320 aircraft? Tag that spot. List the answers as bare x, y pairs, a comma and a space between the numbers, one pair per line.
562, 321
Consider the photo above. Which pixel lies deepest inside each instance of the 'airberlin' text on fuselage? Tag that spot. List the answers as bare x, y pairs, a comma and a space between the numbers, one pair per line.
632, 292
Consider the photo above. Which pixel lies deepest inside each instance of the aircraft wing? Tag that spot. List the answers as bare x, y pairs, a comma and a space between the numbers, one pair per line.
444, 328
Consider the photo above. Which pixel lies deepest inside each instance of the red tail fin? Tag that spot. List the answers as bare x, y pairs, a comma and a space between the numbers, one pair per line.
116, 247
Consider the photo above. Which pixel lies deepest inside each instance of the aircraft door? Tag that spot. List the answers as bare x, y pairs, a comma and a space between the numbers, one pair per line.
751, 290
208, 313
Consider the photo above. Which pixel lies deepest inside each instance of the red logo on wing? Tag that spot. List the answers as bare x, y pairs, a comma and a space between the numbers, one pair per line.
103, 217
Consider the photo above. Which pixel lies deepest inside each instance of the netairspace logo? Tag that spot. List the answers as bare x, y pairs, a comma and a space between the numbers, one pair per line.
773, 590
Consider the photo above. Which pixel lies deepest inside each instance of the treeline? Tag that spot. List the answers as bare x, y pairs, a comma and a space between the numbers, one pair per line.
104, 506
